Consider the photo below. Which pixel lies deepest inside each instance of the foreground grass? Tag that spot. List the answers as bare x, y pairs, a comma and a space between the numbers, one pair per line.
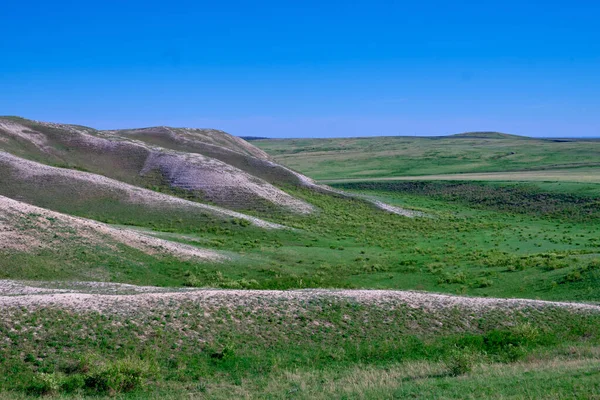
558, 378
541, 379
306, 346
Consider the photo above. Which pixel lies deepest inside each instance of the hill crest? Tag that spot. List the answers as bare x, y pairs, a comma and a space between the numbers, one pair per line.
485, 135
204, 165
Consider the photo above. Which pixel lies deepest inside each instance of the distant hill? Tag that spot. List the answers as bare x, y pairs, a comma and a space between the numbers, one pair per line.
484, 135
251, 138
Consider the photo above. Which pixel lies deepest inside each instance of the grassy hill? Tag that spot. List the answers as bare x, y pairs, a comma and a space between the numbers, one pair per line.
176, 262
150, 343
189, 174
485, 135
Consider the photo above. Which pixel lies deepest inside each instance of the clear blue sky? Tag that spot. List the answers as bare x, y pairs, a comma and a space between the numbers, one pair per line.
306, 68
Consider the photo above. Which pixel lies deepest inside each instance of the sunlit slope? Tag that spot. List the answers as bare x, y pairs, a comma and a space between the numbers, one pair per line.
36, 243
218, 145
190, 175
95, 196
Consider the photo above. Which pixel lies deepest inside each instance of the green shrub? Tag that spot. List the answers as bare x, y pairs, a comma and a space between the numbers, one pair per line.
594, 265
241, 222
117, 377
458, 277
505, 345
226, 353
45, 384
527, 332
483, 283
512, 353
72, 383
191, 280
93, 376
574, 276
460, 361
581, 273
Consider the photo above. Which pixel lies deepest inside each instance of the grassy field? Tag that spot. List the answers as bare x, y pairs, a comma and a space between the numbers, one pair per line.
239, 327
483, 251
298, 344
400, 156
582, 175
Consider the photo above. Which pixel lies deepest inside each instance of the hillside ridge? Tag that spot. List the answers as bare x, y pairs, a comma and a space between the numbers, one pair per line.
220, 169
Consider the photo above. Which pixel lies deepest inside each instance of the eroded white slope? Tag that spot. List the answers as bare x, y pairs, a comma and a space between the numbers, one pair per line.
117, 298
25, 169
26, 228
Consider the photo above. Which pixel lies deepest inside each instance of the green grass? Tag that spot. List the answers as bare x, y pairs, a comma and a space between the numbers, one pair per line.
558, 202
461, 248
273, 346
570, 175
379, 157
478, 239
561, 379
535, 240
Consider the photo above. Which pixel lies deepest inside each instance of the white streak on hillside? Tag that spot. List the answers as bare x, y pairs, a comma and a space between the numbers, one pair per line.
89, 297
311, 183
26, 168
397, 210
22, 132
24, 227
193, 171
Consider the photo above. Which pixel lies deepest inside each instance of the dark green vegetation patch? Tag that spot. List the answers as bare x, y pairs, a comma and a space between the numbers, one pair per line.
512, 198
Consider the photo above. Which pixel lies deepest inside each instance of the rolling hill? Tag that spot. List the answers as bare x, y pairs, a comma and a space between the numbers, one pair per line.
177, 262
192, 174
484, 135
201, 187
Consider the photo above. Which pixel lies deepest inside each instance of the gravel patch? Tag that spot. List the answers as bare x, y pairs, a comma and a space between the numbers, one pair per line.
109, 298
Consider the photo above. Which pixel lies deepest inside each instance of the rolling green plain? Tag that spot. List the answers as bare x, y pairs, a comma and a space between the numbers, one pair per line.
526, 235
401, 156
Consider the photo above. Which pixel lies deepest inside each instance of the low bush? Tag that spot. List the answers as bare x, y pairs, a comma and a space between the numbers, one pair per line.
117, 377
44, 384
91, 375
460, 361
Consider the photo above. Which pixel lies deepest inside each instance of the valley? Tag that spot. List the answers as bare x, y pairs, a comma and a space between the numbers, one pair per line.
189, 262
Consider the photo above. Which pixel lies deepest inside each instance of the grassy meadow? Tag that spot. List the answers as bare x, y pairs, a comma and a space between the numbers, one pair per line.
265, 328
402, 156
297, 345
458, 248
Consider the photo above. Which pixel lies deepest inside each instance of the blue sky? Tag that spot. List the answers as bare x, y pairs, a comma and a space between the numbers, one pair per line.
311, 68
